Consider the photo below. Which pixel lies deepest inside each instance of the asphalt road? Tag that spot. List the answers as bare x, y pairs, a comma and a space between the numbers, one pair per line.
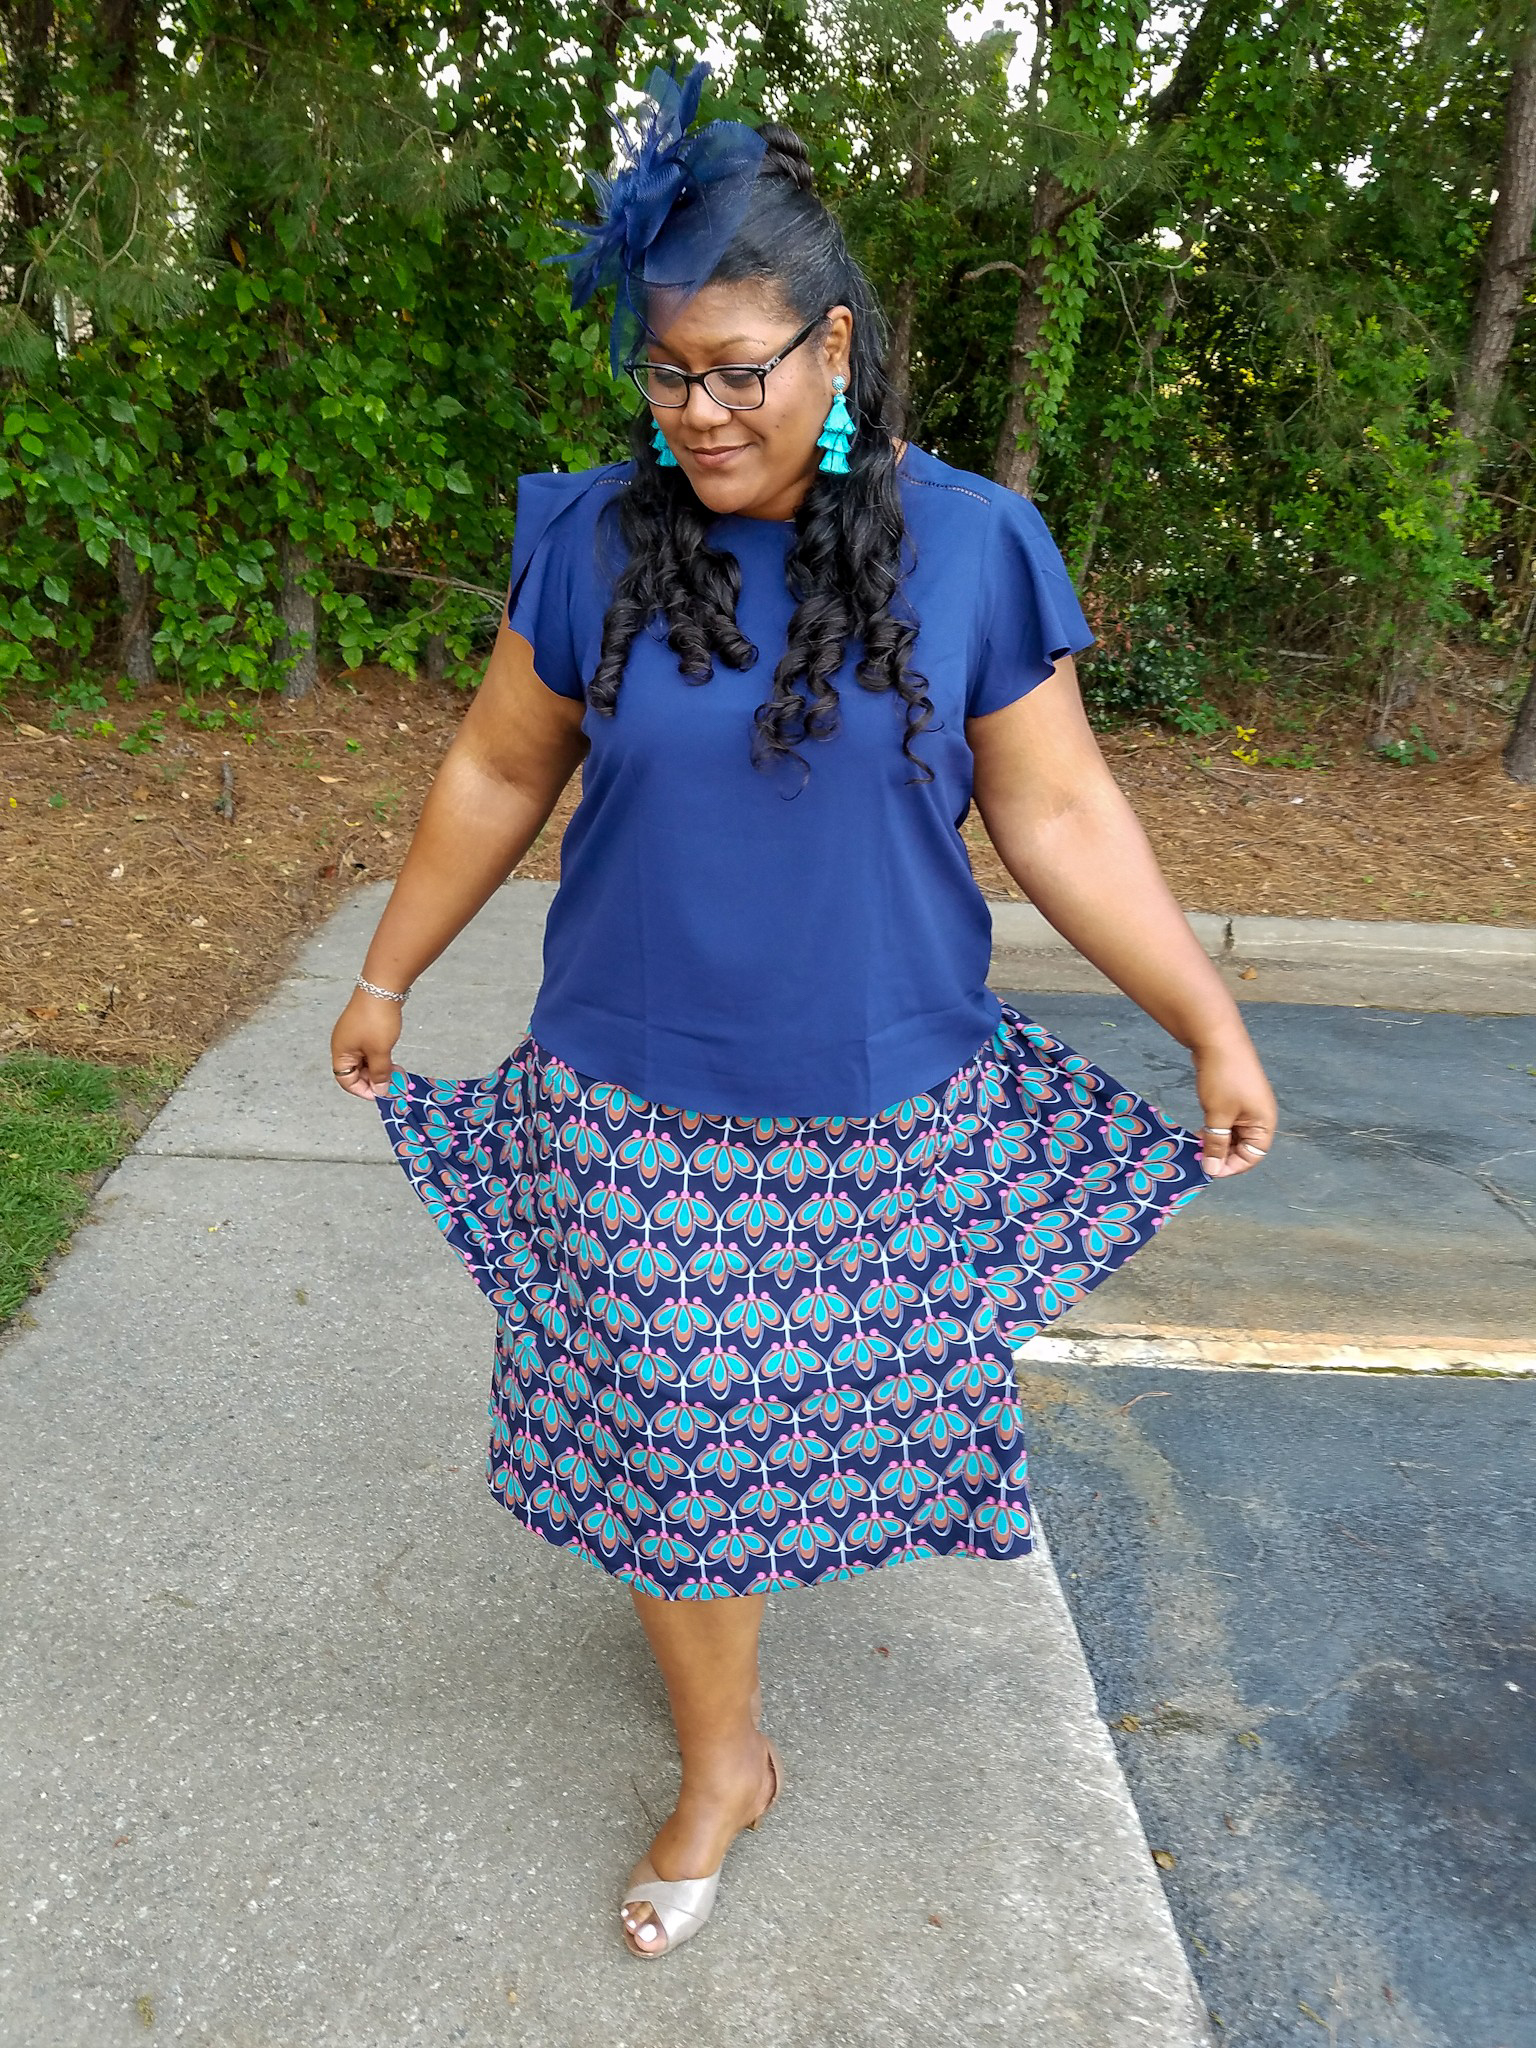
1308, 1601
1308, 1604
1399, 1200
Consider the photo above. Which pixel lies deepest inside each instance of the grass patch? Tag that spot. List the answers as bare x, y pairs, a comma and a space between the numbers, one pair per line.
63, 1124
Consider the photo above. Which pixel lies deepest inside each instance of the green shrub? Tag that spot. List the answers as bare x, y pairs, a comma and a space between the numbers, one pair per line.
1149, 666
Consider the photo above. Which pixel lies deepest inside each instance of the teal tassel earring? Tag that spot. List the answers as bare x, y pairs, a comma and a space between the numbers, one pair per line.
664, 455
837, 432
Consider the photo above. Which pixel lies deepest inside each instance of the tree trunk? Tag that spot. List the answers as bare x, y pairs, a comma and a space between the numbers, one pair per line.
1017, 452
1520, 751
614, 16
1506, 267
1500, 292
899, 359
29, 39
1500, 295
297, 644
434, 658
1202, 53
898, 364
119, 30
119, 26
135, 652
1017, 449
467, 40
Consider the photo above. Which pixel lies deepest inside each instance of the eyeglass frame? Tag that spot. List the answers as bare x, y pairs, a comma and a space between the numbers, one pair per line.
692, 377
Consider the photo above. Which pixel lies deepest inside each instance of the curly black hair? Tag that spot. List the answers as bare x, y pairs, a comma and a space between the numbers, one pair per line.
845, 565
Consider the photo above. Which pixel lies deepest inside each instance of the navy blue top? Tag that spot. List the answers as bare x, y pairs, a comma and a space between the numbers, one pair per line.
722, 939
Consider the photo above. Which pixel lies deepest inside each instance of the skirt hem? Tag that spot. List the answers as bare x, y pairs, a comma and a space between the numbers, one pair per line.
704, 1588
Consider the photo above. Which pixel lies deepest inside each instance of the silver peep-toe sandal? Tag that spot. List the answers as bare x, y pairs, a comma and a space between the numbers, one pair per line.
683, 1904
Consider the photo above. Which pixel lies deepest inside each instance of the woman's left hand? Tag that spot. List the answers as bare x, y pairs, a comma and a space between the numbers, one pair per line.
1241, 1113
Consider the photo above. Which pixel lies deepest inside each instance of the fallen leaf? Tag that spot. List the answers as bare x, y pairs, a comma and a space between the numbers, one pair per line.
881, 1650
198, 920
1128, 1723
1248, 1739
33, 732
935, 1920
328, 778
1248, 974
1163, 1859
43, 1010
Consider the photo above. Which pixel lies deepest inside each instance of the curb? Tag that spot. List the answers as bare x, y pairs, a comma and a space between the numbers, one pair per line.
1020, 928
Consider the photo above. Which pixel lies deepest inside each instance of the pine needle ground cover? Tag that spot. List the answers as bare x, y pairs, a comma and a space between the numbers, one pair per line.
140, 920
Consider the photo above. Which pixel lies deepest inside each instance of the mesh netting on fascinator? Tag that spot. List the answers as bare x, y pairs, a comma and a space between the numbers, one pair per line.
667, 217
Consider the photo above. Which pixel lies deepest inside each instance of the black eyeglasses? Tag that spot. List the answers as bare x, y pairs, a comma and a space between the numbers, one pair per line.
741, 387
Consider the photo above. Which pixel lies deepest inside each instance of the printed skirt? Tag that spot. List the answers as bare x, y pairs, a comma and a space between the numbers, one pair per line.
739, 1354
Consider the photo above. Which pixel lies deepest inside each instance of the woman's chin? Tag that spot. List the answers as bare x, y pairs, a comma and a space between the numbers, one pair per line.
719, 489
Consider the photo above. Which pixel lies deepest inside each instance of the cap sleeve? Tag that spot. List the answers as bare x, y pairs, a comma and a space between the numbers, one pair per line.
1029, 610
543, 588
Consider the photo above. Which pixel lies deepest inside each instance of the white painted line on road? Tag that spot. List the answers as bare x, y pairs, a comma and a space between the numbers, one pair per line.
1284, 1351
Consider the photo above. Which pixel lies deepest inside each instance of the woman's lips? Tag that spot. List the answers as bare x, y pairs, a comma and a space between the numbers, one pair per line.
717, 458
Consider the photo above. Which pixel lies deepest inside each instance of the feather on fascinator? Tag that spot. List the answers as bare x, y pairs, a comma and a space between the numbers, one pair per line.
668, 215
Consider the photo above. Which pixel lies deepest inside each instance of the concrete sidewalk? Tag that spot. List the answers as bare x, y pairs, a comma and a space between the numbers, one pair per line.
306, 1743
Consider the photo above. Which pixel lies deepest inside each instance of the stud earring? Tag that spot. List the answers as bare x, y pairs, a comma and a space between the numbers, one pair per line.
664, 455
837, 432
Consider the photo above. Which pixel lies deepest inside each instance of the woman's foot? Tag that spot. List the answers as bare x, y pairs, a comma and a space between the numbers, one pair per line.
693, 1839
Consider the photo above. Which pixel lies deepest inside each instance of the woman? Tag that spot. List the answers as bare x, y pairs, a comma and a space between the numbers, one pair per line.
774, 1184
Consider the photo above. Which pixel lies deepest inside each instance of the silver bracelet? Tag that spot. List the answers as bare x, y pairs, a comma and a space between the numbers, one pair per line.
394, 995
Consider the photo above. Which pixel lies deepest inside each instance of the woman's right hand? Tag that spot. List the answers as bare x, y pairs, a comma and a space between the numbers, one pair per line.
365, 1035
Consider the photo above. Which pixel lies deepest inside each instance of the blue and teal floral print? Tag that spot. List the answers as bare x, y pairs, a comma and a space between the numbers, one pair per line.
740, 1354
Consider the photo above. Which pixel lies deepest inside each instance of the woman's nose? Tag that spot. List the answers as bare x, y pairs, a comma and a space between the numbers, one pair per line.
702, 412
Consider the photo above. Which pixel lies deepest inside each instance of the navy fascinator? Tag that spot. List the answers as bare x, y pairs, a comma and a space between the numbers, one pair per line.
668, 215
